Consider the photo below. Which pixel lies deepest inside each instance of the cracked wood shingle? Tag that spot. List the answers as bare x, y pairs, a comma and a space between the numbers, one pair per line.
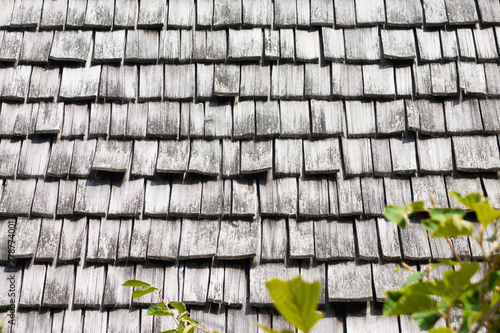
461, 12
285, 167
326, 118
66, 197
100, 116
45, 199
26, 237
267, 119
83, 157
381, 157
212, 199
205, 157
390, 117
244, 120
404, 14
9, 158
238, 239
274, 240
476, 153
301, 239
256, 156
15, 83
366, 238
109, 46
44, 84
163, 120
151, 83
389, 239
313, 197
216, 285
271, 44
258, 13
244, 198
429, 45
141, 46
463, 117
256, 84
118, 83
137, 121
92, 197
349, 196
75, 122
125, 15
115, 296
347, 81
357, 157
33, 281
157, 197
245, 45
349, 281
48, 243
362, 45
398, 44
10, 45
71, 46
34, 158
198, 239
126, 198
163, 242
403, 156
369, 13
173, 156
112, 156
139, 240
472, 80
373, 196
59, 283
144, 158
334, 240
322, 156
72, 239
99, 14
287, 81
79, 83
89, 286
185, 198
466, 45
36, 47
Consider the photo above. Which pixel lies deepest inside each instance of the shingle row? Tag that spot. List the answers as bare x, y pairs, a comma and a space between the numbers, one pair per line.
364, 45
157, 14
207, 82
306, 197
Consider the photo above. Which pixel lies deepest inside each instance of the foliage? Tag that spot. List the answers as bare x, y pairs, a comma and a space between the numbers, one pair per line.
295, 300
428, 300
176, 310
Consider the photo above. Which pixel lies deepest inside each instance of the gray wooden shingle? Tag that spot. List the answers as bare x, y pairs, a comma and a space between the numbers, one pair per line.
93, 230
257, 13
100, 115
347, 81
326, 118
83, 156
205, 81
49, 118
244, 198
285, 15
389, 239
164, 240
227, 14
144, 158
390, 117
173, 156
205, 157
489, 11
17, 79
485, 45
54, 14
34, 158
492, 80
283, 166
403, 155
157, 197
244, 120
349, 281
10, 46
75, 123
461, 12
345, 13
33, 281
185, 198
404, 13
404, 81
89, 286
332, 193
181, 89
245, 44
259, 295
424, 187
274, 240
256, 156
151, 83
59, 283
287, 81
45, 199
137, 121
333, 42
25, 15
212, 199
429, 45
155, 275
152, 14
92, 197
378, 81
126, 198
435, 12
80, 83
267, 119
48, 243
432, 120
235, 295
9, 158
99, 14
113, 156
362, 45
126, 15
428, 149
294, 119
66, 197
313, 198
366, 236
44, 84
163, 119
322, 13
350, 197
118, 123
373, 196
444, 79
181, 14
118, 83
76, 14
472, 80
476, 153
463, 117
14, 119
197, 239
398, 44
414, 242
307, 45
27, 232
71, 45
449, 45
491, 120
322, 156
256, 83
381, 157
139, 240
370, 13
230, 158
287, 45
36, 47
357, 157
124, 240
218, 120
115, 296
317, 81
334, 240
301, 238
271, 44
109, 46
466, 45
238, 240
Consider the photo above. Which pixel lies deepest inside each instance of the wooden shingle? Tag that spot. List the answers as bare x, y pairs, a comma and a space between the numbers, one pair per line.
489, 11
10, 46
283, 166
59, 283
333, 43
287, 81
230, 158
429, 45
80, 83
185, 198
389, 239
227, 14
366, 236
404, 13
485, 45
34, 158
45, 199
373, 198
461, 12
205, 157
427, 150
327, 118
15, 83
33, 281
164, 240
151, 83
267, 119
476, 153
345, 13
36, 47
83, 157
347, 81
307, 48
398, 44
10, 157
403, 155
472, 80
71, 45
197, 239
43, 84
244, 198
317, 81
466, 45
238, 240
99, 14
144, 158
181, 89
109, 46
313, 198
362, 45
322, 156
139, 240
245, 44
126, 15
152, 14
349, 195
26, 237
115, 296
218, 120
256, 156
112, 156
370, 13
423, 187
334, 240
294, 119
463, 117
126, 198
257, 13
256, 83
349, 281
357, 157
75, 123
435, 12
381, 156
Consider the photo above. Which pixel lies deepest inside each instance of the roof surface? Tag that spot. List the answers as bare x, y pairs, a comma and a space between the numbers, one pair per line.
206, 146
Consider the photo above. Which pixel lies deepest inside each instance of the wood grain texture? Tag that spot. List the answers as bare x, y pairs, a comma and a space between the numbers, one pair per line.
301, 239
274, 240
59, 283
238, 239
164, 240
476, 153
349, 281
197, 239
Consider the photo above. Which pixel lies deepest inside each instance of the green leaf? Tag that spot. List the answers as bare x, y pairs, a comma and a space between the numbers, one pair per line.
485, 213
455, 283
397, 215
448, 262
426, 320
183, 315
191, 320
169, 331
159, 310
448, 223
493, 280
188, 329
179, 306
406, 301
416, 206
469, 200
143, 291
441, 330
135, 283
412, 278
297, 301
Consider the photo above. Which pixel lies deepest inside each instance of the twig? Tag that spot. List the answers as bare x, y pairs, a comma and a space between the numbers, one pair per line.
480, 323
453, 249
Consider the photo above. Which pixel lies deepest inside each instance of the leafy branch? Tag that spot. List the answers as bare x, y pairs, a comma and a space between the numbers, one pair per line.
428, 300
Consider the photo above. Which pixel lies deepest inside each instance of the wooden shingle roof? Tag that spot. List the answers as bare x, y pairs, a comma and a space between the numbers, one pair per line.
206, 146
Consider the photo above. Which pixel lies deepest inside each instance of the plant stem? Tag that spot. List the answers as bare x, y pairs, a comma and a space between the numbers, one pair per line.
453, 249
494, 309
